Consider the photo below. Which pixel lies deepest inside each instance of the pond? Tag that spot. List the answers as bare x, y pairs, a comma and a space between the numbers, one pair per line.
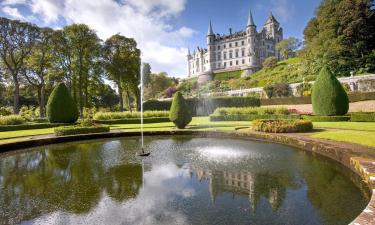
185, 180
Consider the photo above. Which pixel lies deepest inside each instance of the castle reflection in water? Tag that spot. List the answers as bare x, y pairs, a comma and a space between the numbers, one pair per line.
242, 183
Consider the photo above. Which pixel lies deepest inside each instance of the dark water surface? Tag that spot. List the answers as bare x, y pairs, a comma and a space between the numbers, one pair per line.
186, 180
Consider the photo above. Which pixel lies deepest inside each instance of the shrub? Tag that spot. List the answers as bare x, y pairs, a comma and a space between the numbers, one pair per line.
250, 117
74, 130
11, 120
128, 115
329, 97
251, 110
281, 90
5, 111
282, 126
269, 91
61, 107
304, 89
325, 118
134, 120
270, 62
180, 113
363, 117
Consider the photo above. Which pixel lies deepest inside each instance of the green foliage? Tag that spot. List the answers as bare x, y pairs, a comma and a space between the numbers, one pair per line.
228, 75
157, 85
251, 111
5, 111
251, 117
127, 115
269, 62
342, 40
363, 117
329, 97
74, 130
135, 120
288, 47
28, 126
61, 107
282, 126
326, 118
304, 89
180, 113
277, 90
11, 120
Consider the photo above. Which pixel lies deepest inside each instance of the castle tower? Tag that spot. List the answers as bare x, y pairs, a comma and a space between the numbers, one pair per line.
189, 58
251, 32
274, 31
210, 48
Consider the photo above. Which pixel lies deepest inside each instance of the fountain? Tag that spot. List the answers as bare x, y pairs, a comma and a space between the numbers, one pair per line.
142, 153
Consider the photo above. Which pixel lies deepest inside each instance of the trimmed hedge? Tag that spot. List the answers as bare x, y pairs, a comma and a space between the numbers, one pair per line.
74, 130
11, 120
134, 120
61, 107
129, 115
180, 113
282, 126
363, 117
251, 110
29, 126
205, 106
326, 118
250, 117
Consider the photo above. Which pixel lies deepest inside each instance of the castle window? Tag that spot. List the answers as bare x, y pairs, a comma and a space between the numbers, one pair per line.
225, 64
236, 62
236, 44
230, 45
218, 65
236, 53
218, 56
224, 46
230, 54
243, 52
243, 42
230, 63
218, 47
225, 55
243, 61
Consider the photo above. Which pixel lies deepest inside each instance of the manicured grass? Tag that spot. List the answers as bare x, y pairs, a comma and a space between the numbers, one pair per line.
366, 138
365, 126
21, 133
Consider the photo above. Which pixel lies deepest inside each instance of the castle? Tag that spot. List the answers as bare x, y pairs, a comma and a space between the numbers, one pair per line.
243, 50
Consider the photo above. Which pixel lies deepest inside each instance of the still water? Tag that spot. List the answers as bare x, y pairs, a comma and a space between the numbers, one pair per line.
186, 180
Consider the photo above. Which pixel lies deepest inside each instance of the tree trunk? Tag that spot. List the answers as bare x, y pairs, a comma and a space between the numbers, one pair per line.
128, 99
16, 97
42, 101
121, 99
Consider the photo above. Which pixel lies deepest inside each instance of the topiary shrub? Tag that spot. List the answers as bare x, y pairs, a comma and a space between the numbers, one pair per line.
329, 97
282, 126
61, 107
180, 113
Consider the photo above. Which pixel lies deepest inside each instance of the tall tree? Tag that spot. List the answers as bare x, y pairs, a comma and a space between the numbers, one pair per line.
288, 47
122, 62
17, 40
146, 73
38, 65
342, 35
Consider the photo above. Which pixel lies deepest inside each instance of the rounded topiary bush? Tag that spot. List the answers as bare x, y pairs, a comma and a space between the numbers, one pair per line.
61, 107
328, 96
180, 113
282, 126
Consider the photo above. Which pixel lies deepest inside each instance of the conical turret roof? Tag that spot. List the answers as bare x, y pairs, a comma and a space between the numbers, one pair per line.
210, 31
250, 21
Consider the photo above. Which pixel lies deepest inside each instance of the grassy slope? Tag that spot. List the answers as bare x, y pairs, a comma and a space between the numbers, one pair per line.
364, 126
287, 71
366, 138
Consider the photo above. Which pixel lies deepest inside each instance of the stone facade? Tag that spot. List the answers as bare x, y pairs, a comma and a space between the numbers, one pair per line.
243, 50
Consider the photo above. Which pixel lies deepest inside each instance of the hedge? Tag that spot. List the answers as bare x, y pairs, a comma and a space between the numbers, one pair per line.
29, 126
11, 120
250, 117
61, 108
326, 118
205, 106
134, 120
129, 115
282, 126
363, 117
251, 110
74, 130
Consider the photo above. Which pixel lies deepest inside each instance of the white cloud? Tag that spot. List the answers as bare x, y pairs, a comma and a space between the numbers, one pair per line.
147, 21
283, 9
12, 12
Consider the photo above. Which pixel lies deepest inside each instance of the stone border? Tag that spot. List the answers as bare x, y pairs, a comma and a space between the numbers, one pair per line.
363, 166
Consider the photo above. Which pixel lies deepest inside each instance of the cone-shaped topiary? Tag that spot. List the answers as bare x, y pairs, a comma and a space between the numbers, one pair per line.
180, 113
328, 96
61, 107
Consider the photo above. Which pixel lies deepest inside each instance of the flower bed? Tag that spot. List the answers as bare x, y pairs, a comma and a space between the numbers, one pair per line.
282, 126
74, 130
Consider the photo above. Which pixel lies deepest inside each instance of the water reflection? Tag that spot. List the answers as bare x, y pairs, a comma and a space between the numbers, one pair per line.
102, 182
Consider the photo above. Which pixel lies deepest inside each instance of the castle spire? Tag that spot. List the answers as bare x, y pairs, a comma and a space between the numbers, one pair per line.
271, 19
250, 21
210, 31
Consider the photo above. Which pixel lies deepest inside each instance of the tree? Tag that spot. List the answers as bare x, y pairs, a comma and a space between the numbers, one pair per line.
288, 47
328, 96
122, 62
17, 40
61, 107
270, 62
158, 84
38, 65
180, 113
341, 35
146, 74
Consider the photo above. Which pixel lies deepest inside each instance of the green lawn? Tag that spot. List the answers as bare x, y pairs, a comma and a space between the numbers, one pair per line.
366, 138
21, 133
365, 126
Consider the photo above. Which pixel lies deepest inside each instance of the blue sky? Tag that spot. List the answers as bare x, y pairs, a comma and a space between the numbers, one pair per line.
164, 29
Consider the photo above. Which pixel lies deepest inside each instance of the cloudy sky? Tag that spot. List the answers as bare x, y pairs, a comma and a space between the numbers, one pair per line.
164, 29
